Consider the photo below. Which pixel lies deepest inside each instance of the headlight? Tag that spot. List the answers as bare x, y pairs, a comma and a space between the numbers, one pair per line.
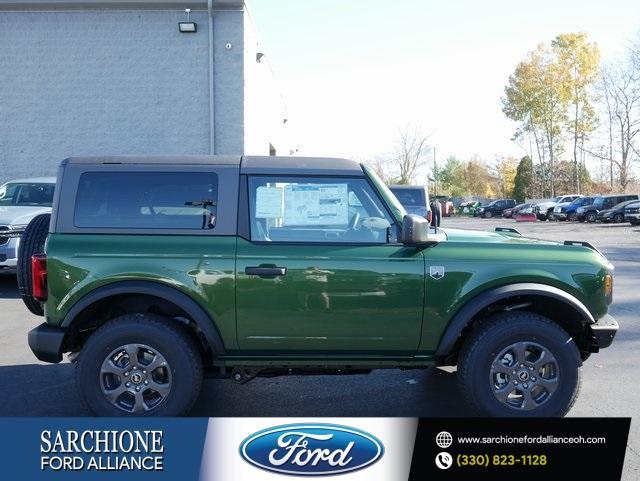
15, 230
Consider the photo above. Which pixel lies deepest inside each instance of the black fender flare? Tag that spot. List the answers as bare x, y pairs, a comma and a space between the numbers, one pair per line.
464, 315
202, 319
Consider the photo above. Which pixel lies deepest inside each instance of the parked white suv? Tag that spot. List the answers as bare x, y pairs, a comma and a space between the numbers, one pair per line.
544, 209
632, 213
20, 201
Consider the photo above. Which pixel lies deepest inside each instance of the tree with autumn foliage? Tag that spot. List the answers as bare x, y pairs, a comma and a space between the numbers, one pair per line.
536, 97
578, 62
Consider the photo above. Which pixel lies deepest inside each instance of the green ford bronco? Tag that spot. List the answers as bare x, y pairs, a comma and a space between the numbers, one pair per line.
154, 271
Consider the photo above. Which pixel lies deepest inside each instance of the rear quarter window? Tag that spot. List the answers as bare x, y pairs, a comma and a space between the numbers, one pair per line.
147, 200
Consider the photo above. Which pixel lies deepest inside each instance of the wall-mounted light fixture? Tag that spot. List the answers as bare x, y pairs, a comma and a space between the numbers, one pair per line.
188, 26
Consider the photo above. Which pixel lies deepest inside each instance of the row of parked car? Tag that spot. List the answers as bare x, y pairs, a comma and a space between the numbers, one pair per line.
599, 208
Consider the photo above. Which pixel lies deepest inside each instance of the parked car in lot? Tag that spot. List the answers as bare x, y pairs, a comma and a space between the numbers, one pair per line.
20, 201
156, 268
414, 199
512, 211
446, 205
495, 208
468, 208
615, 214
632, 213
544, 209
568, 211
589, 212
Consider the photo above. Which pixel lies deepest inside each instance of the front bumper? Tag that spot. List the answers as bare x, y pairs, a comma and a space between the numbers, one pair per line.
9, 254
605, 330
46, 342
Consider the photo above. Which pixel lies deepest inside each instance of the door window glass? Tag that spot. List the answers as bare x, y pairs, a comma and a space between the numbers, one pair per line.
329, 210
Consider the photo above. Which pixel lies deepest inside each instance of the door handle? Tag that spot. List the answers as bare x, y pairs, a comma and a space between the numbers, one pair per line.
266, 272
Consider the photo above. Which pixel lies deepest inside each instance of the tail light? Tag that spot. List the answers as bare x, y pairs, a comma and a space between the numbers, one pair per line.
39, 276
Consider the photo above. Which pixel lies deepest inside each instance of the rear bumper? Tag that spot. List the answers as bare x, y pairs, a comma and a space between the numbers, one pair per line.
605, 331
46, 341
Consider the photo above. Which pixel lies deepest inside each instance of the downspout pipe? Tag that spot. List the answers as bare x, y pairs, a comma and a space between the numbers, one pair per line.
212, 139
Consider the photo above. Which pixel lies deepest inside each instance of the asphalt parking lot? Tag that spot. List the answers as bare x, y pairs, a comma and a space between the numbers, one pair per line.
30, 388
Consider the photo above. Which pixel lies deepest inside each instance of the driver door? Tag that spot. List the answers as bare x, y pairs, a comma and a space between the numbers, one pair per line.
322, 270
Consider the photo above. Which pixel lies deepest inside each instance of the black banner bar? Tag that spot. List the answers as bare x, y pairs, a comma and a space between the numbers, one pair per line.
531, 449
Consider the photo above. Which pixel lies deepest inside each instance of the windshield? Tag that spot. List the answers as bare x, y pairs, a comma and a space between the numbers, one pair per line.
623, 204
396, 207
26, 194
598, 201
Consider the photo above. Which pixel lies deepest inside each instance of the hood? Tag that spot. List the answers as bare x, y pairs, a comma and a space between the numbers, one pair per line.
605, 211
459, 235
546, 204
419, 210
20, 215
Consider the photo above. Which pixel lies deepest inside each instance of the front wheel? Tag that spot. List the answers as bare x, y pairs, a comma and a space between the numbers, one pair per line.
488, 215
520, 364
139, 365
592, 217
618, 218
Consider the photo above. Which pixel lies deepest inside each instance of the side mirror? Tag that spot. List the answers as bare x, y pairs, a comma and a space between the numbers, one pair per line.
415, 230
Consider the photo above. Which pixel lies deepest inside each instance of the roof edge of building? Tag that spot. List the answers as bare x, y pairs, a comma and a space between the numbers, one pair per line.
118, 4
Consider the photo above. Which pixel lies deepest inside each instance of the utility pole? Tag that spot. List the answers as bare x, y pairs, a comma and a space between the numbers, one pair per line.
435, 172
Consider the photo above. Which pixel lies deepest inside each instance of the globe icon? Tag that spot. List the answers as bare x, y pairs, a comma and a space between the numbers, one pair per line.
444, 439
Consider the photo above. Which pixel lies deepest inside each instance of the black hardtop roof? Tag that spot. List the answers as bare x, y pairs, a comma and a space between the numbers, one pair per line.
611, 195
266, 165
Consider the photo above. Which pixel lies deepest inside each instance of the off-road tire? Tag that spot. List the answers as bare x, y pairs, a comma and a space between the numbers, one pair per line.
489, 338
32, 242
165, 336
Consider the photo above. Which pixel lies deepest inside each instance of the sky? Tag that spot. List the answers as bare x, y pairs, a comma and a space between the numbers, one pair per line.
354, 72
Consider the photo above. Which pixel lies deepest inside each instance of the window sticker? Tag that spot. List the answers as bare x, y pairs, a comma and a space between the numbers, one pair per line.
268, 202
316, 204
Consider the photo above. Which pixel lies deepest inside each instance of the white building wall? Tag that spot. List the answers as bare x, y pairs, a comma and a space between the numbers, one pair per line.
266, 122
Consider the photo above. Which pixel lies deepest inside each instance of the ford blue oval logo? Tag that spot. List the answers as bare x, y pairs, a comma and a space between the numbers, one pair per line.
311, 449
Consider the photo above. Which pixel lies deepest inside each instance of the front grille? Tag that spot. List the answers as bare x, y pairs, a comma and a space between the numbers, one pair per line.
3, 239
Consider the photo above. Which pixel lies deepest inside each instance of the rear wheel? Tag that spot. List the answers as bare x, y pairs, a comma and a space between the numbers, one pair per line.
32, 242
139, 365
573, 217
520, 364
